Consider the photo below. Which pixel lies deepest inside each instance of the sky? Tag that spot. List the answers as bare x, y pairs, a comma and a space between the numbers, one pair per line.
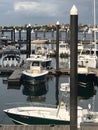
42, 12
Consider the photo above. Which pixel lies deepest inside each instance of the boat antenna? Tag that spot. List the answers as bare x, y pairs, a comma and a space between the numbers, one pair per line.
94, 26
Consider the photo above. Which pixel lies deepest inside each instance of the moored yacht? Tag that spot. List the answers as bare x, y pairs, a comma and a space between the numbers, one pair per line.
42, 114
64, 50
90, 60
11, 57
37, 69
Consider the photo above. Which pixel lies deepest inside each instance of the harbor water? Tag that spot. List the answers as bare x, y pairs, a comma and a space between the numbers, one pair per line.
48, 92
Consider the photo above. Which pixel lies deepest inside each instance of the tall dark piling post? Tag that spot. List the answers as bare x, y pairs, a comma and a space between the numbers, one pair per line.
14, 35
44, 34
36, 34
28, 40
19, 34
57, 46
57, 90
52, 40
73, 67
11, 34
2, 32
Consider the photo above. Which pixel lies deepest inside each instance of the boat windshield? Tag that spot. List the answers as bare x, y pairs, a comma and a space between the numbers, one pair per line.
35, 63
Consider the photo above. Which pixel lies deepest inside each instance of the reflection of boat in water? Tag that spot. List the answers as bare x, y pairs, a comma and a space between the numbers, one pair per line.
65, 87
35, 90
11, 57
64, 63
64, 50
87, 91
14, 87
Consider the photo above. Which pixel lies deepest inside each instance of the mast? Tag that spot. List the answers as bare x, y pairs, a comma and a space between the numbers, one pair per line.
94, 29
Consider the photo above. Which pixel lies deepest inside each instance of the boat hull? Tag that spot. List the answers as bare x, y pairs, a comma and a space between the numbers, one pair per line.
88, 62
34, 79
27, 120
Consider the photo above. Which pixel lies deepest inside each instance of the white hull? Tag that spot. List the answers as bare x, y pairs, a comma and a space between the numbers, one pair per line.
88, 61
42, 115
34, 75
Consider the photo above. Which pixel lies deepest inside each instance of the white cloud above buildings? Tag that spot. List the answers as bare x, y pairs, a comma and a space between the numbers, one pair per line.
43, 11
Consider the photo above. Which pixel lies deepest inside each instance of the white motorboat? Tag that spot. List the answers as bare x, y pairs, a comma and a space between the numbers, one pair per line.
37, 70
90, 60
64, 49
42, 115
80, 46
65, 87
11, 57
39, 47
90, 116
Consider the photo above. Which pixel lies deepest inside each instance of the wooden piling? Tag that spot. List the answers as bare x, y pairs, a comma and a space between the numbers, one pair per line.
73, 67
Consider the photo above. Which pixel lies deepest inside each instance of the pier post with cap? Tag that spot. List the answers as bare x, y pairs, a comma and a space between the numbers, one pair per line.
73, 67
19, 34
57, 46
28, 40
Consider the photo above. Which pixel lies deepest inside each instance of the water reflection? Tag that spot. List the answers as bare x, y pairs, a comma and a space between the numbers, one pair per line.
64, 63
87, 91
14, 85
86, 83
35, 92
57, 90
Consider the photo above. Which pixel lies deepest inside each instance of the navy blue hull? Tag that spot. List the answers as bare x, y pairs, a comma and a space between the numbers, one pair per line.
21, 119
34, 80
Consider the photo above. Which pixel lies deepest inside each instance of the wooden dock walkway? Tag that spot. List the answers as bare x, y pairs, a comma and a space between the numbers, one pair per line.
34, 127
16, 73
83, 126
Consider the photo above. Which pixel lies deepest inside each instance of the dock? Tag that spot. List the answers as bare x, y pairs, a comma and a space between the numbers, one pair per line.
34, 127
15, 76
16, 73
83, 126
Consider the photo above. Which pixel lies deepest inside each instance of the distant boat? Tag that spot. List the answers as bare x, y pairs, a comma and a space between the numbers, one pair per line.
89, 115
40, 46
65, 87
37, 69
80, 47
90, 60
64, 50
11, 57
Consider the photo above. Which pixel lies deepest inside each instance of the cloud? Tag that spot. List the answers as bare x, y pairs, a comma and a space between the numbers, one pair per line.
43, 11
36, 8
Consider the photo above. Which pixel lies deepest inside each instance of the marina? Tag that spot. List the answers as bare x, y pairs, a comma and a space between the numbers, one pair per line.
43, 93
48, 73
51, 81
